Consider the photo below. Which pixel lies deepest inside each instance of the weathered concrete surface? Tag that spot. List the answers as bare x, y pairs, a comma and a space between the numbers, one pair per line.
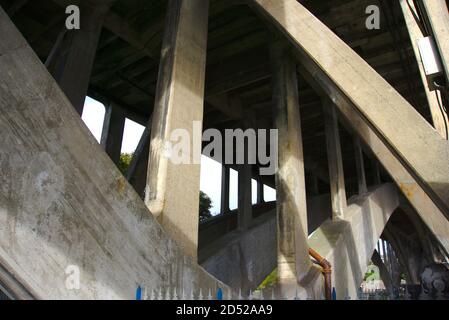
418, 146
243, 259
172, 192
112, 133
415, 192
63, 202
245, 207
334, 159
225, 175
348, 244
293, 253
137, 170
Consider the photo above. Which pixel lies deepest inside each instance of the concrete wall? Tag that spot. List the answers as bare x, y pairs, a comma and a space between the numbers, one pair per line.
349, 244
243, 260
63, 202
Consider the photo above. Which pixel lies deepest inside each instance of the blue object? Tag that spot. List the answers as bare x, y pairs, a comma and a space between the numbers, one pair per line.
139, 293
219, 294
334, 294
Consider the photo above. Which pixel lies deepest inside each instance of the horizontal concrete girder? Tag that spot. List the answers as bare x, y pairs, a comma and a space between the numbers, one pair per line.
407, 135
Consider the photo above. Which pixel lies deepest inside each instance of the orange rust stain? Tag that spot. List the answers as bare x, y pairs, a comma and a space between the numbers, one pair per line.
408, 191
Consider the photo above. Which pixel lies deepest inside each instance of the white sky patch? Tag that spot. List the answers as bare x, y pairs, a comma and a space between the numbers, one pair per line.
269, 194
93, 116
131, 136
253, 191
210, 182
233, 189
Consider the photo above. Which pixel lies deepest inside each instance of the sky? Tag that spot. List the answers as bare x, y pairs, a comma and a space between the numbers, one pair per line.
93, 117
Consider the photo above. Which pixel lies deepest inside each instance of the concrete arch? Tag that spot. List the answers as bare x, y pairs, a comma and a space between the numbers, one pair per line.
349, 244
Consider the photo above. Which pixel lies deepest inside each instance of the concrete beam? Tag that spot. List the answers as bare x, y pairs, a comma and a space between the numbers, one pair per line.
260, 192
73, 56
139, 177
117, 25
293, 256
137, 171
414, 143
139, 153
438, 15
438, 117
112, 134
244, 197
334, 159
172, 192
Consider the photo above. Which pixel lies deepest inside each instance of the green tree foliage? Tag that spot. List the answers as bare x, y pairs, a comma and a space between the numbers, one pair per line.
270, 281
125, 161
205, 205
372, 273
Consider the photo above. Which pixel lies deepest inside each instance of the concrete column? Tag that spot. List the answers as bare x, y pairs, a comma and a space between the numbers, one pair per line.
438, 15
415, 33
260, 196
139, 177
137, 171
244, 197
360, 166
224, 189
112, 134
334, 159
172, 192
293, 257
73, 56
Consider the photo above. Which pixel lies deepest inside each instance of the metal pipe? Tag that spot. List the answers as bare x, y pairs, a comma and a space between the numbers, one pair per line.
327, 272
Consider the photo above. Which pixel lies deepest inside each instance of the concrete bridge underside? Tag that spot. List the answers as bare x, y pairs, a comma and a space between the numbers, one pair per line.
64, 202
244, 259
